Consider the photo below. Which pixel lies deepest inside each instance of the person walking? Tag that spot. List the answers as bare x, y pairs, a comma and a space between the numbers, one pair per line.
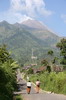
28, 87
27, 78
37, 85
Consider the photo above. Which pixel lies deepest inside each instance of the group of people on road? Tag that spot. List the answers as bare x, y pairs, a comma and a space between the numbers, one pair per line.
29, 86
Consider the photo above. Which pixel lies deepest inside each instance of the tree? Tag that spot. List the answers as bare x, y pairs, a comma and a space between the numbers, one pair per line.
4, 54
48, 69
62, 46
30, 71
50, 52
7, 75
44, 62
55, 60
50, 58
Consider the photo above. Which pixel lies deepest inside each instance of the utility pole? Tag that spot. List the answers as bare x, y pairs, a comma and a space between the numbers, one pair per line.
33, 58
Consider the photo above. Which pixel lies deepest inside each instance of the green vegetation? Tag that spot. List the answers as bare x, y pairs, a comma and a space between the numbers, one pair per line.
7, 75
51, 82
62, 46
20, 40
19, 97
50, 52
30, 71
44, 62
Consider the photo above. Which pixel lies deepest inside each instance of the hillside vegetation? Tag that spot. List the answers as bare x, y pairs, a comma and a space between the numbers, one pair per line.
21, 38
51, 82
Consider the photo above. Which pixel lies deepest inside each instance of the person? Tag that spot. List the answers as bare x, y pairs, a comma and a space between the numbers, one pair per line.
37, 85
27, 78
28, 87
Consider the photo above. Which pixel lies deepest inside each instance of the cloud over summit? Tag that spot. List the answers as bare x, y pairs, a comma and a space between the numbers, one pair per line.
30, 8
24, 9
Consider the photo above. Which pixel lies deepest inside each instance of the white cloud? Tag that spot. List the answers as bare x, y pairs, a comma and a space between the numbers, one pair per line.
24, 9
17, 5
63, 17
31, 7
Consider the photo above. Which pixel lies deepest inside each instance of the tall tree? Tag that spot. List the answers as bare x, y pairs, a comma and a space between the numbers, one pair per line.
62, 46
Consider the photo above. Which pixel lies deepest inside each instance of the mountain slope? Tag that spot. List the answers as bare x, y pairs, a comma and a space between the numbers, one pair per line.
34, 24
21, 38
41, 32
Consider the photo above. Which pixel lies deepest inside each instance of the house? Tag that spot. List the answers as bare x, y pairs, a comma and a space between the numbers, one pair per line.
38, 70
57, 68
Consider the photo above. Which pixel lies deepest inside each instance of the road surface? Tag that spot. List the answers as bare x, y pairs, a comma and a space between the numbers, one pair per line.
34, 96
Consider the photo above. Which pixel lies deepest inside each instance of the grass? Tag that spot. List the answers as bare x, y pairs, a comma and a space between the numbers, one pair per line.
18, 97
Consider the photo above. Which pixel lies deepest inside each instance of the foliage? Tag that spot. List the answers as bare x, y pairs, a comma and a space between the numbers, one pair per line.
21, 39
18, 97
48, 69
7, 75
50, 52
52, 82
4, 55
62, 46
30, 71
44, 62
55, 60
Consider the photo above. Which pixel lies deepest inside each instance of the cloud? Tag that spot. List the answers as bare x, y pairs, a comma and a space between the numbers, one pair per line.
25, 9
63, 17
30, 7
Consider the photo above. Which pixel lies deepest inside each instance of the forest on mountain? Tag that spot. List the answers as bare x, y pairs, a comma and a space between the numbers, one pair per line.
20, 39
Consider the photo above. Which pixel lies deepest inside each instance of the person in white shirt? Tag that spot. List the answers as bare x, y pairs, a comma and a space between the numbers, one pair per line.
37, 86
28, 87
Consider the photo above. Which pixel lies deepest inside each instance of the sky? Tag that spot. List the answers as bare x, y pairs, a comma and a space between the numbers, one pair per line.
52, 13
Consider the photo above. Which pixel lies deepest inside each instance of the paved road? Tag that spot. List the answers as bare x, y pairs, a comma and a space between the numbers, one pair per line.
34, 96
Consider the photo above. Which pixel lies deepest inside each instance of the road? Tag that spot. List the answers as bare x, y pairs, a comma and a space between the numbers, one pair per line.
40, 96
